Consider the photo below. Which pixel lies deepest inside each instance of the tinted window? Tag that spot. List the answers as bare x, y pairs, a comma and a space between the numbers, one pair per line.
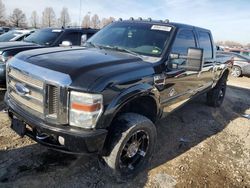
9, 35
142, 38
205, 43
73, 37
43, 37
184, 40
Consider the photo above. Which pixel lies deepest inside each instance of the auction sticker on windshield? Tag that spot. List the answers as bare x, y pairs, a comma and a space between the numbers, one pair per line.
56, 30
161, 28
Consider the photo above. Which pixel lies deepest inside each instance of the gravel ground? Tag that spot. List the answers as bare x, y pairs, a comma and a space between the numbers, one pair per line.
198, 146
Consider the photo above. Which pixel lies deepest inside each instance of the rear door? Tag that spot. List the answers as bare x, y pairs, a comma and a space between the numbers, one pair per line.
206, 43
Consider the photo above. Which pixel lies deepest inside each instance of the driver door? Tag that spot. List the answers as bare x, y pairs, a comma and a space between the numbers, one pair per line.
180, 84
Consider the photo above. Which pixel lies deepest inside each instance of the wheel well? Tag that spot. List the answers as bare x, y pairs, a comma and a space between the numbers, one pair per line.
144, 105
225, 73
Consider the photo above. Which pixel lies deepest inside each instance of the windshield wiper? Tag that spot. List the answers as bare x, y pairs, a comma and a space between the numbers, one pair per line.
93, 45
30, 41
123, 50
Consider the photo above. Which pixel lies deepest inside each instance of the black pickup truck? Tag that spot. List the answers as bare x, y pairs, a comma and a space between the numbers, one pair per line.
43, 38
104, 98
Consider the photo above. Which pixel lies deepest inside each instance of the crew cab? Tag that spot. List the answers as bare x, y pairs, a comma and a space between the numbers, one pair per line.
43, 38
106, 97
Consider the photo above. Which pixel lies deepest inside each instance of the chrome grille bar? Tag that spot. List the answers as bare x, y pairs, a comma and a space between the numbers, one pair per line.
28, 103
33, 101
25, 79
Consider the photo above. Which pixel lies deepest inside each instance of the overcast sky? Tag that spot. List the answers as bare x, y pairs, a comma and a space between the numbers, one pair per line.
228, 19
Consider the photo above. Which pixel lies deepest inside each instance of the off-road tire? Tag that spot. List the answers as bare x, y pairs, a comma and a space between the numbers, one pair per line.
126, 126
216, 96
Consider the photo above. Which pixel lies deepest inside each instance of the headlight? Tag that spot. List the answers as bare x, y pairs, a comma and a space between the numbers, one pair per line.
85, 109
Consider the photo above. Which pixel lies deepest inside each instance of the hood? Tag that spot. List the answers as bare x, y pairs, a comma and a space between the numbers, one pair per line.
16, 44
86, 65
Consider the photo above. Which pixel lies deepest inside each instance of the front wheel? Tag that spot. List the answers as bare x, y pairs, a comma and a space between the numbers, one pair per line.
132, 146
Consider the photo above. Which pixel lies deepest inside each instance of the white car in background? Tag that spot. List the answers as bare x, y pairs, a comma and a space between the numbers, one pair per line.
241, 64
15, 35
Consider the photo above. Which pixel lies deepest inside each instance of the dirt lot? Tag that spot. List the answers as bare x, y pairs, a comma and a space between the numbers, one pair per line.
198, 146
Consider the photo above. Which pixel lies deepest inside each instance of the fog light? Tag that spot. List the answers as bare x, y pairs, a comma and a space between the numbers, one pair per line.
61, 140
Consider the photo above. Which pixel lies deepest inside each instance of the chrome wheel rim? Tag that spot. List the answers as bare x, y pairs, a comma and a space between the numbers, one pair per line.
236, 72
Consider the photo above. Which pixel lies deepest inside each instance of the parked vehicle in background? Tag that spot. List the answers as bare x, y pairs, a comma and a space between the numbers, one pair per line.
4, 30
15, 35
241, 64
43, 38
105, 98
244, 52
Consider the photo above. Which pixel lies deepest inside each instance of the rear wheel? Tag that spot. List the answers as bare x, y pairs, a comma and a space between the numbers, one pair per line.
236, 71
216, 96
132, 145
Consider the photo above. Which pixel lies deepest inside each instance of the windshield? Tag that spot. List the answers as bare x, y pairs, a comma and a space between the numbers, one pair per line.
43, 37
9, 35
142, 38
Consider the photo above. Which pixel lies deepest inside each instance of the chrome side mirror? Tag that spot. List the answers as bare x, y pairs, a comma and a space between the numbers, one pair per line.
83, 39
194, 59
66, 44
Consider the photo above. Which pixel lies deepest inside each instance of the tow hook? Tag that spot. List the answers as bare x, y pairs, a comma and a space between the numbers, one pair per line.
42, 136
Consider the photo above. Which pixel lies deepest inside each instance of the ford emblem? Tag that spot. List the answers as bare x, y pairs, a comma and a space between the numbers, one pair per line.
21, 89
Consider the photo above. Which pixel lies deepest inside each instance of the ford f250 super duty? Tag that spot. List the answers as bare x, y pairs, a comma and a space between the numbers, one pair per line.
104, 98
43, 38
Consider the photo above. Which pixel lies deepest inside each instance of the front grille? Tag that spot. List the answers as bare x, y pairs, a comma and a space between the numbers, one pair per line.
17, 75
33, 101
38, 91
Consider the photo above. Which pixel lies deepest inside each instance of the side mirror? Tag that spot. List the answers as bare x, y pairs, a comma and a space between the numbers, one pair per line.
66, 44
83, 39
194, 59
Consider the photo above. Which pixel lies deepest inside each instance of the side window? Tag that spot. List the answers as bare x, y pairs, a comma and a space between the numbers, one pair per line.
206, 44
73, 37
184, 40
21, 38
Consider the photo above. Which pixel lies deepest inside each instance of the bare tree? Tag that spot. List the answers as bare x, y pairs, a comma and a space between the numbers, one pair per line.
64, 19
18, 18
229, 44
232, 44
106, 21
48, 17
95, 22
248, 45
2, 13
34, 19
86, 21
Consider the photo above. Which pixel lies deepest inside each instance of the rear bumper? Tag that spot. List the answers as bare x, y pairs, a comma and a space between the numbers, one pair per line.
76, 140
